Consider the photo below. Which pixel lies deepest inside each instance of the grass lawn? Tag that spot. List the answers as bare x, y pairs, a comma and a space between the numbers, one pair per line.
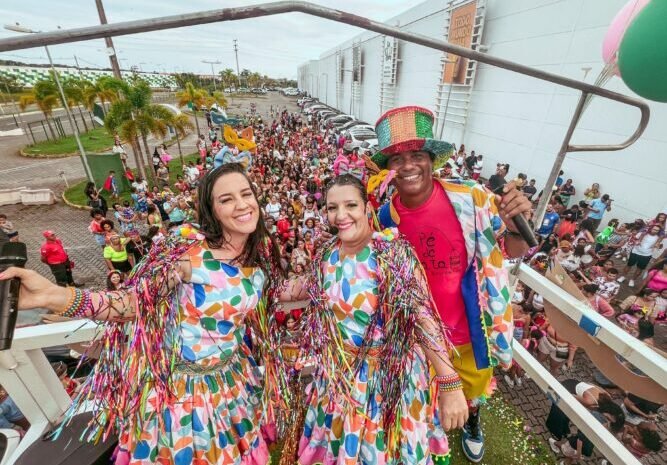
507, 442
76, 196
95, 140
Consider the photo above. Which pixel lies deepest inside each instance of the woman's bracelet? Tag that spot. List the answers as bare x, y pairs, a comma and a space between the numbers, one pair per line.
78, 304
449, 383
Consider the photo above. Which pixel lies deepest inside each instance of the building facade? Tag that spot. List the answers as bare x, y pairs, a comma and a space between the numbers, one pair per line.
506, 116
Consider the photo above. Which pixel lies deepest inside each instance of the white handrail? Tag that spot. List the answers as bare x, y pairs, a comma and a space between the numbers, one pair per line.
651, 363
41, 398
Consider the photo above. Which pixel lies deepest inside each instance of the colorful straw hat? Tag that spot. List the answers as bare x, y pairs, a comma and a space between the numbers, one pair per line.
406, 129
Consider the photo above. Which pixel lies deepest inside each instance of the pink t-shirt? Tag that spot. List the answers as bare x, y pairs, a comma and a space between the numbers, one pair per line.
434, 231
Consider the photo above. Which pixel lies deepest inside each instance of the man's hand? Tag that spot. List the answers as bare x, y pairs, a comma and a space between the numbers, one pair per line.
511, 204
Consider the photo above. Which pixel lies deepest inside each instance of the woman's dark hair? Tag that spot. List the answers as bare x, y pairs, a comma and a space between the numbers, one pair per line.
588, 225
348, 180
96, 211
152, 231
650, 439
606, 405
646, 329
590, 288
110, 285
646, 291
211, 227
90, 187
579, 251
151, 208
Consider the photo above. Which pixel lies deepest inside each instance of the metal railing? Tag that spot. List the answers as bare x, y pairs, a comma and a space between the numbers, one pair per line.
30, 381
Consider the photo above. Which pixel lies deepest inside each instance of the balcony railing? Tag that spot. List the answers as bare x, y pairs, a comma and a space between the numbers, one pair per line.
30, 381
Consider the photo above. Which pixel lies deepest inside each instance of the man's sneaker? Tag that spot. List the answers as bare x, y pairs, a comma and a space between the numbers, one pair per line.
519, 382
472, 439
631, 283
509, 381
621, 279
554, 446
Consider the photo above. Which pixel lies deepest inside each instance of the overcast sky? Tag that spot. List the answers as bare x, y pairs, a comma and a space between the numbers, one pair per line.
273, 45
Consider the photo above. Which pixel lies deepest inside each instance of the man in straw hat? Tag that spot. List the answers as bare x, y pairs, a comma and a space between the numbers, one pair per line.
455, 227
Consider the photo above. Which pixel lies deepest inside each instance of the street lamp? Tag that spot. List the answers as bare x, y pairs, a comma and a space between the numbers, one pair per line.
18, 28
217, 62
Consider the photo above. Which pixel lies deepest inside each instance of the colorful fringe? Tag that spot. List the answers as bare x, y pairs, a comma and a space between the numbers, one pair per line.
402, 296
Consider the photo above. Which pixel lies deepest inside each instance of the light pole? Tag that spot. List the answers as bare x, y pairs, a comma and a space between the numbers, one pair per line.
18, 28
217, 62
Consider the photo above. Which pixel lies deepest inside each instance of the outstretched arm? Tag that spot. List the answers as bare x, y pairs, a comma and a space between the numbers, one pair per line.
38, 292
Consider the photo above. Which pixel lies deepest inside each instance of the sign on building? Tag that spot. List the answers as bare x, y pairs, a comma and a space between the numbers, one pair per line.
389, 55
461, 26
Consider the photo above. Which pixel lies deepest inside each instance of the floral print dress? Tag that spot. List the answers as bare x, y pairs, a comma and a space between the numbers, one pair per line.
216, 416
341, 432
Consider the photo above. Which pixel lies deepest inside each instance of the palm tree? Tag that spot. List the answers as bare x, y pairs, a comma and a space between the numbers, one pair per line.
216, 97
134, 117
228, 78
193, 97
181, 124
99, 90
74, 91
254, 79
44, 94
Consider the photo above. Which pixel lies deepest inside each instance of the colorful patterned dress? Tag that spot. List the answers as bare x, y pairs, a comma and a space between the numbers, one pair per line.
215, 419
339, 432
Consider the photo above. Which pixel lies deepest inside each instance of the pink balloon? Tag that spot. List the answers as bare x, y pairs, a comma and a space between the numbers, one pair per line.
614, 35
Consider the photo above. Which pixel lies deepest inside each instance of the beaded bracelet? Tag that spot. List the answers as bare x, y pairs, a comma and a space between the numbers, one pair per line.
450, 387
449, 383
78, 304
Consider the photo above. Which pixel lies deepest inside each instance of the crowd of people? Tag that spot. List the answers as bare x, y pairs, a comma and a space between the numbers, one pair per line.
308, 192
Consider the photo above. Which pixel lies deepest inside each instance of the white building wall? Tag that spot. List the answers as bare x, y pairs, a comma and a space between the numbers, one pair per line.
521, 120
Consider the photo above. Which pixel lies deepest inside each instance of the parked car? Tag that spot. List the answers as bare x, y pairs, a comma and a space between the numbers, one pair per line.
355, 122
340, 120
355, 139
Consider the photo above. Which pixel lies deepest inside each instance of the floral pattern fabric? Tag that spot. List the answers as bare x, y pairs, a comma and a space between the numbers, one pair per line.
215, 417
349, 431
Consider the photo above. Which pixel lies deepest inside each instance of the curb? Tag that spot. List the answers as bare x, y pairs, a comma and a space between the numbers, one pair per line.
57, 155
74, 205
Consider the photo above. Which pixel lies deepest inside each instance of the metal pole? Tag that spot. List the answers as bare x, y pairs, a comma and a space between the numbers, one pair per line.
215, 86
560, 158
238, 73
268, 9
444, 118
107, 39
18, 113
82, 152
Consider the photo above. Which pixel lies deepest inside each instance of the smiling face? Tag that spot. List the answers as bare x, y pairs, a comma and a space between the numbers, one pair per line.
234, 205
413, 175
347, 211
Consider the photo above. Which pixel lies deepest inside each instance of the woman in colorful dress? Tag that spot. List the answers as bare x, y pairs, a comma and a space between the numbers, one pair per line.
176, 380
375, 336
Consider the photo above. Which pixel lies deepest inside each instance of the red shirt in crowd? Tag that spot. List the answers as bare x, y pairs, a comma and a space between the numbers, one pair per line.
438, 240
53, 252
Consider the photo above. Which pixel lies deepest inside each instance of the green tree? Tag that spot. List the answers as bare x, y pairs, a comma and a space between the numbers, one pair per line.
134, 117
193, 97
181, 124
101, 90
44, 94
229, 78
74, 89
9, 84
245, 73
